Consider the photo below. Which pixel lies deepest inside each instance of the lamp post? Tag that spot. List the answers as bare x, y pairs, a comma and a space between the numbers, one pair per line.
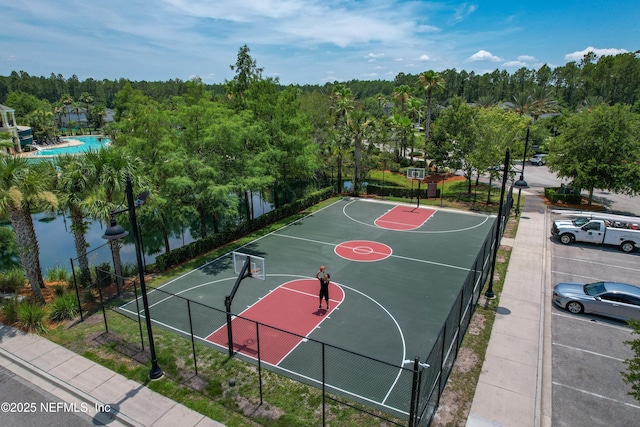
115, 232
524, 160
519, 184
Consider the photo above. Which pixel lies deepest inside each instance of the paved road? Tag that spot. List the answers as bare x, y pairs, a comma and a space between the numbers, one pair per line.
25, 404
539, 177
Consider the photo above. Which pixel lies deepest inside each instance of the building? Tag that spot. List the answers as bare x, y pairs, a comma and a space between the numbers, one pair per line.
21, 135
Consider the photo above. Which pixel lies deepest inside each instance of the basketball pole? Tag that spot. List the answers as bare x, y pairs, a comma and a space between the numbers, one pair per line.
244, 273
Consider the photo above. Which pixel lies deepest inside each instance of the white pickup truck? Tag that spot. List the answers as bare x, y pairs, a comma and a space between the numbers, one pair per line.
597, 231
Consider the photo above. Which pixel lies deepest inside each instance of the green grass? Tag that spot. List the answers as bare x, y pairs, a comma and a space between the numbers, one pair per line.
295, 403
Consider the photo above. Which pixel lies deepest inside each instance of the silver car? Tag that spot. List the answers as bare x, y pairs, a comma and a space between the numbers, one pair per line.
538, 159
611, 299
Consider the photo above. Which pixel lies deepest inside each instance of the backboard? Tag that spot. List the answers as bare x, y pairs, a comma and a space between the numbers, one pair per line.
416, 173
256, 266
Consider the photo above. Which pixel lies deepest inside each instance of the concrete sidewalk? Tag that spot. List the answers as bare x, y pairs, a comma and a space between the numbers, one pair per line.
98, 392
514, 388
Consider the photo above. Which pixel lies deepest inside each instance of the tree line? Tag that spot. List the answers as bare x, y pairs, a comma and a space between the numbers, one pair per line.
202, 152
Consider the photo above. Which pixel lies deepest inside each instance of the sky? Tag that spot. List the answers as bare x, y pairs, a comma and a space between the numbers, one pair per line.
305, 41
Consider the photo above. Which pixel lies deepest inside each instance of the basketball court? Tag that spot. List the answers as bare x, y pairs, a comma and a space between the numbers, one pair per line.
396, 270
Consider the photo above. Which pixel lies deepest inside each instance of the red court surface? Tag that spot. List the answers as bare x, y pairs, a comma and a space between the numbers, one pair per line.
363, 250
291, 307
404, 218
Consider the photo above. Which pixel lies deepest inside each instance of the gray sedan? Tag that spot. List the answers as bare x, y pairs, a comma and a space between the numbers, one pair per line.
612, 299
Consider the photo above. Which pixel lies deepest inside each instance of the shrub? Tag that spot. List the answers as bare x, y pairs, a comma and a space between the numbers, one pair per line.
129, 270
12, 280
57, 274
58, 290
10, 309
64, 307
31, 317
88, 296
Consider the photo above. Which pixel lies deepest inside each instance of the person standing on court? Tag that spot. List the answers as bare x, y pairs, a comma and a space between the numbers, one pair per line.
324, 277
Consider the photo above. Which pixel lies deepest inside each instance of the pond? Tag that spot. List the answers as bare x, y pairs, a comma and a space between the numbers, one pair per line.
57, 246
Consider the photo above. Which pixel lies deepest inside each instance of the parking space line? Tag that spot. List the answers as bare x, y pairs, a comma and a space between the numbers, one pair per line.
576, 275
587, 351
609, 265
595, 395
592, 321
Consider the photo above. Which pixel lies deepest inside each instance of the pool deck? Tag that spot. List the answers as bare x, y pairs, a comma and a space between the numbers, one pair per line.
68, 142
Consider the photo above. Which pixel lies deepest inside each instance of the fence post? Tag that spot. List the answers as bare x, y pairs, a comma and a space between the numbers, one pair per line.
135, 291
414, 392
324, 410
104, 314
75, 282
193, 343
259, 360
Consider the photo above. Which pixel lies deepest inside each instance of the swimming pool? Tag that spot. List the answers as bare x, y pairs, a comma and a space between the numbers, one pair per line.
89, 142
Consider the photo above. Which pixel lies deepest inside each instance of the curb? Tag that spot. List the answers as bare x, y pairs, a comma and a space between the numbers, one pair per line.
100, 417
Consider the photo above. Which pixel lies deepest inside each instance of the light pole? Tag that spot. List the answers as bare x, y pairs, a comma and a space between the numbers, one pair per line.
519, 184
524, 160
115, 232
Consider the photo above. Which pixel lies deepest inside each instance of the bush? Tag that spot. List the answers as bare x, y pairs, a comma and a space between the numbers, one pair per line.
10, 309
58, 290
57, 274
64, 307
206, 244
88, 296
563, 194
31, 317
12, 280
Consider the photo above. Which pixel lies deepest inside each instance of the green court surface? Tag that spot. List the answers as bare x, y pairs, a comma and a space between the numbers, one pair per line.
398, 288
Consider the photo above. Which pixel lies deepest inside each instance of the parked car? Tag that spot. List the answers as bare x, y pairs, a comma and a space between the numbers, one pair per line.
538, 159
611, 299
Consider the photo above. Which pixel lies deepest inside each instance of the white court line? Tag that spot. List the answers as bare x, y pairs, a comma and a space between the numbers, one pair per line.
595, 394
205, 341
402, 338
581, 350
344, 212
392, 256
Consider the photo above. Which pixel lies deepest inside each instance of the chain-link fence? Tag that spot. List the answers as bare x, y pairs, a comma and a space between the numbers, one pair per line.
398, 395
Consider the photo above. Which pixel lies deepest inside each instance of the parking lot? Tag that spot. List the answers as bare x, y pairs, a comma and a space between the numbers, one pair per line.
588, 350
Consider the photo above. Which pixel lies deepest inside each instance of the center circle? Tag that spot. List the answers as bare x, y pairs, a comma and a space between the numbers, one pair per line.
363, 250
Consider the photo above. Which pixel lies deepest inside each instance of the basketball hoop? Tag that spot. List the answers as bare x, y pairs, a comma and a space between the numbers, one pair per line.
419, 174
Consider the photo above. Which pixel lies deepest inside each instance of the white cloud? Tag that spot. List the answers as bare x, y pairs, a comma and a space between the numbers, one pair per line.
463, 11
514, 64
527, 58
577, 56
374, 55
424, 58
483, 55
398, 60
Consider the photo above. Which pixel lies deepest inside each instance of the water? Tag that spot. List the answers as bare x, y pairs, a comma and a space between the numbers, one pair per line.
57, 245
89, 142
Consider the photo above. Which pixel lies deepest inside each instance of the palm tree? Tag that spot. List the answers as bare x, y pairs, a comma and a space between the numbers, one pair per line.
97, 115
58, 111
87, 100
110, 167
401, 95
357, 123
341, 103
25, 187
67, 100
74, 185
430, 82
